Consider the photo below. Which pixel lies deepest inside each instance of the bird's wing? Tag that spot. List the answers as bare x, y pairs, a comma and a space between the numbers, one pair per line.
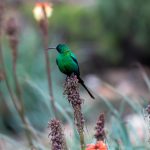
75, 60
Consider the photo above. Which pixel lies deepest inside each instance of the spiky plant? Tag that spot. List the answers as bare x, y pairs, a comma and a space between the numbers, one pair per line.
56, 135
71, 87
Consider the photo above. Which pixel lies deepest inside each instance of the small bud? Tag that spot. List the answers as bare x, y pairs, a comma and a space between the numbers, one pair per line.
12, 27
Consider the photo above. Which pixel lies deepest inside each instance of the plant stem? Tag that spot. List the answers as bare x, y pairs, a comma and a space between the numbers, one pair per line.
6, 79
44, 28
18, 107
15, 102
82, 143
79, 124
71, 89
18, 90
49, 74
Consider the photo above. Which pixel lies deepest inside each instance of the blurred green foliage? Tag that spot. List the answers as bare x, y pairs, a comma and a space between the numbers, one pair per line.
127, 24
116, 31
107, 30
125, 19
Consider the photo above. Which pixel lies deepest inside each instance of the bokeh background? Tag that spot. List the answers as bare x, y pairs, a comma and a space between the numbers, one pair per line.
111, 40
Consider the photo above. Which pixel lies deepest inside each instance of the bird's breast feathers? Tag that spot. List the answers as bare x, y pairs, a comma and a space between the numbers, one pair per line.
66, 64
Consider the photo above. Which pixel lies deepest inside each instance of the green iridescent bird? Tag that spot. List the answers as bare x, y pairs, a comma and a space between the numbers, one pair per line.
68, 64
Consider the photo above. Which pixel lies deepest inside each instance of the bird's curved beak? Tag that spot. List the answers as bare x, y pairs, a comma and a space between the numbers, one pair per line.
50, 48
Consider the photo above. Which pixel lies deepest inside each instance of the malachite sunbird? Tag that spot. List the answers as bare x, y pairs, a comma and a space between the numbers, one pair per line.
68, 64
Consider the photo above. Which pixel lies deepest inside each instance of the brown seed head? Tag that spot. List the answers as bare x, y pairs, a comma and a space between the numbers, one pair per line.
100, 133
71, 89
56, 134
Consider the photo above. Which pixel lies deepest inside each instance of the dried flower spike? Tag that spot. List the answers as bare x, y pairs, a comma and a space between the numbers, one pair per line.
73, 96
71, 89
57, 136
100, 133
148, 109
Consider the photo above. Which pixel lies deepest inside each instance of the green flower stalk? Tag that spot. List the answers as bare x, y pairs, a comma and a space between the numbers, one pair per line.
72, 91
56, 135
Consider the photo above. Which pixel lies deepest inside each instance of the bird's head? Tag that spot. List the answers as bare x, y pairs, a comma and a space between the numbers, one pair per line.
61, 48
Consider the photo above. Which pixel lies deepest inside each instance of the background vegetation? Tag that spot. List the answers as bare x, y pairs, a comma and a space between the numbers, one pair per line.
109, 38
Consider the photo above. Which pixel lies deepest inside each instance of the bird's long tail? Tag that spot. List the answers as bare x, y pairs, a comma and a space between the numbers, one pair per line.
82, 83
